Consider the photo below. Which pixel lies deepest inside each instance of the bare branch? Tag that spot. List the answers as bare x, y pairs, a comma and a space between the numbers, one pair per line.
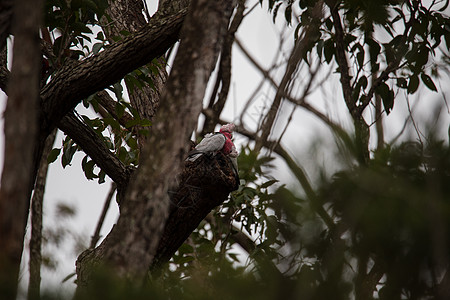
224, 74
297, 54
96, 236
297, 101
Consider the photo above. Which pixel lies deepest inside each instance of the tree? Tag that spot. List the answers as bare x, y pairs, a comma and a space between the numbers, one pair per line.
376, 51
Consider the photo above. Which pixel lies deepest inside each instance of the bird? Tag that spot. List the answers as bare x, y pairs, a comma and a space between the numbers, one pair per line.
212, 143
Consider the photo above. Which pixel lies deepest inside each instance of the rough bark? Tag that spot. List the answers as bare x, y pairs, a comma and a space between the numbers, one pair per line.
127, 15
77, 80
204, 184
36, 221
93, 145
4, 73
20, 129
131, 246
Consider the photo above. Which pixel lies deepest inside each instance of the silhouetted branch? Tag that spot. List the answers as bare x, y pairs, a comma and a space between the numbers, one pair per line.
96, 236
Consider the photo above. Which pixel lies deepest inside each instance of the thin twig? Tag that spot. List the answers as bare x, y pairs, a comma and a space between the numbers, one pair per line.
96, 236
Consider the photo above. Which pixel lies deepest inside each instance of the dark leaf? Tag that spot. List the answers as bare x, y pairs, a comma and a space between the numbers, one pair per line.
428, 82
97, 47
387, 95
268, 183
53, 155
288, 14
328, 50
88, 168
413, 84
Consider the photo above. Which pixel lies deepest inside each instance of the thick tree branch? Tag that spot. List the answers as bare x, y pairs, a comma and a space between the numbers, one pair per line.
78, 80
93, 145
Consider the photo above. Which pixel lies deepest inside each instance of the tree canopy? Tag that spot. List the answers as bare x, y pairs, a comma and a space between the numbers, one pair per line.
372, 225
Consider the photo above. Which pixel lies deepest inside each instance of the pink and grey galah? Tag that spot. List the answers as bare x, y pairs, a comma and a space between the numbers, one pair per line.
212, 143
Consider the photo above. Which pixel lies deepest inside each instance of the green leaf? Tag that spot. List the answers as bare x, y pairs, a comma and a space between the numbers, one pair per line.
185, 248
69, 150
68, 277
120, 110
428, 82
100, 36
123, 153
53, 155
112, 122
132, 123
101, 177
118, 89
97, 47
268, 183
124, 32
233, 256
145, 122
88, 168
80, 28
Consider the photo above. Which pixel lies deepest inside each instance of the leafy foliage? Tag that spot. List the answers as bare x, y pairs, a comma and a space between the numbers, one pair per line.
71, 24
389, 216
392, 43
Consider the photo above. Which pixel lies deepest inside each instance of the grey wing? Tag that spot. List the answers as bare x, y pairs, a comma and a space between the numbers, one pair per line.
211, 143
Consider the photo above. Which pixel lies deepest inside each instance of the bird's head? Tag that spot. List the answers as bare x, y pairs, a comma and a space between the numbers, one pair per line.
227, 128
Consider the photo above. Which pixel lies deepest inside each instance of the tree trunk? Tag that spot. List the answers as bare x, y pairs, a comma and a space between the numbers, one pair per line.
130, 247
20, 129
128, 17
